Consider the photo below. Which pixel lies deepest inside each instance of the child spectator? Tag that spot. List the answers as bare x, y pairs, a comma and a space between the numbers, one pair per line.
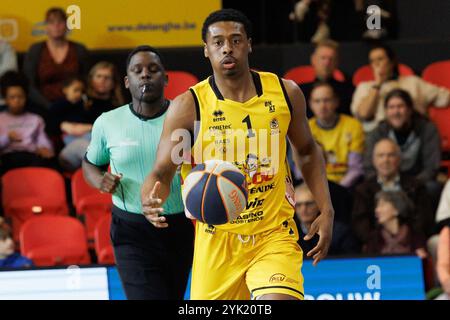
70, 115
9, 258
104, 94
23, 141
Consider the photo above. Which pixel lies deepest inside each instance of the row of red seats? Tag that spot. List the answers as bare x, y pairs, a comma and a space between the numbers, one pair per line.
437, 73
34, 200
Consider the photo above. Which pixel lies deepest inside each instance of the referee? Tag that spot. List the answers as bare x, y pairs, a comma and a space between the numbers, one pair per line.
153, 263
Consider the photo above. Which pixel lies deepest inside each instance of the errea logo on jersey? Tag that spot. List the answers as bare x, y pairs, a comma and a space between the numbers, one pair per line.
218, 116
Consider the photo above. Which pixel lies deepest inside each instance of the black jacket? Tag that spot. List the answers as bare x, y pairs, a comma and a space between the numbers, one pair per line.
30, 67
427, 163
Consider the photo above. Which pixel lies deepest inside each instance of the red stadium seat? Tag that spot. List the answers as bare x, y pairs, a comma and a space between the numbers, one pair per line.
179, 82
365, 73
103, 246
54, 240
80, 188
438, 73
304, 74
440, 117
89, 203
31, 191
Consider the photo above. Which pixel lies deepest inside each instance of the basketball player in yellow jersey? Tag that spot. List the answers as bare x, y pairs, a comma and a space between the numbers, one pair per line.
256, 255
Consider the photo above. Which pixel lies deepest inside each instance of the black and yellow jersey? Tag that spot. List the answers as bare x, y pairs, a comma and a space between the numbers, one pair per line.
252, 135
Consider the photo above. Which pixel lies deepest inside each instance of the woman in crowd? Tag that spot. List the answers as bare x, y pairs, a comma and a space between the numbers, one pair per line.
48, 63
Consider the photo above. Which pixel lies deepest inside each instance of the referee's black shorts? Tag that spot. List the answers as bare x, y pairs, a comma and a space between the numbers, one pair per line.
153, 263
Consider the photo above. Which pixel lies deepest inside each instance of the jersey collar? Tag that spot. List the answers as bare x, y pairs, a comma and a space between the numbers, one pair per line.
256, 79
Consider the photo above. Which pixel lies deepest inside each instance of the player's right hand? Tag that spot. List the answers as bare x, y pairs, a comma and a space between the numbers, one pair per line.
109, 182
151, 207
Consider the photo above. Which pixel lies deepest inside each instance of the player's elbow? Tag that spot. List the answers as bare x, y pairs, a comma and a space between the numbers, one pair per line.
308, 148
309, 152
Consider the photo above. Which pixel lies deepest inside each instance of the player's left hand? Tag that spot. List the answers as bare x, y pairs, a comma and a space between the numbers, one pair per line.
323, 226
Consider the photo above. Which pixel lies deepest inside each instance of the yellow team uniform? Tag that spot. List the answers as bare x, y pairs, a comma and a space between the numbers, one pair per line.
257, 253
345, 138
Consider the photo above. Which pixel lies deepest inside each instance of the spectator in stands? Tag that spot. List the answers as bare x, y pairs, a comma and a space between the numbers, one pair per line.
386, 160
394, 233
312, 16
306, 212
328, 19
23, 141
417, 137
369, 96
70, 110
442, 219
341, 197
443, 262
324, 60
104, 87
8, 62
48, 63
443, 211
341, 136
8, 257
104, 94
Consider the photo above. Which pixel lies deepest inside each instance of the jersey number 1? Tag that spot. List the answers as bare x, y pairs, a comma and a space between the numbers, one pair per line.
247, 121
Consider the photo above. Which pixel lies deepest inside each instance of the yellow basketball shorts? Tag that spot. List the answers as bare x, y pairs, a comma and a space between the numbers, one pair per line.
228, 266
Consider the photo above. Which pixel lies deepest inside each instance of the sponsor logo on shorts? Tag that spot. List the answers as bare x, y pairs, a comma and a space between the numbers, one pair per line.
280, 277
277, 277
210, 229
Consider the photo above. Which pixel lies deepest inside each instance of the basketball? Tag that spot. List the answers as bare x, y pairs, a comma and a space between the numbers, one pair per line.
215, 192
